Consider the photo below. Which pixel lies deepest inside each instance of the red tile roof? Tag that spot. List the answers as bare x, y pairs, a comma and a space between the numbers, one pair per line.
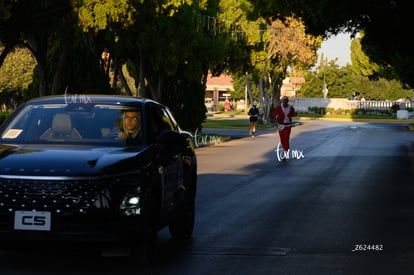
219, 80
219, 83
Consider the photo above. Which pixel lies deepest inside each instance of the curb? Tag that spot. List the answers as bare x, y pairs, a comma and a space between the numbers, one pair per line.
320, 118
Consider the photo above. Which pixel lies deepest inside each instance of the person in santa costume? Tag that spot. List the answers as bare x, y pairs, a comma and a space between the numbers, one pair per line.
283, 115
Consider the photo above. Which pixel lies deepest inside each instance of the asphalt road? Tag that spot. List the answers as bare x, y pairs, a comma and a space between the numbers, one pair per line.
342, 204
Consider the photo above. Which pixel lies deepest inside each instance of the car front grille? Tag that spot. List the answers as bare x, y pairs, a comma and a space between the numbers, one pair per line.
59, 196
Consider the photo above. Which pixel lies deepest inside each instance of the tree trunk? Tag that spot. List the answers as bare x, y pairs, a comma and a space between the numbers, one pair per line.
264, 101
157, 92
116, 71
124, 82
38, 46
57, 78
42, 78
249, 90
5, 52
141, 90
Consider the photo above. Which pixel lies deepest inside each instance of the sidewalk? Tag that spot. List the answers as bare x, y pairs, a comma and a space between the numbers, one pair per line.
230, 134
233, 133
410, 119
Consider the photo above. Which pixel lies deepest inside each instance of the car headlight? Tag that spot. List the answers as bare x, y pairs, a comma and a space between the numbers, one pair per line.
131, 203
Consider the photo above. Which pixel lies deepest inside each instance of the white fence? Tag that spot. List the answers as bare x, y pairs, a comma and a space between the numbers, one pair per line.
303, 104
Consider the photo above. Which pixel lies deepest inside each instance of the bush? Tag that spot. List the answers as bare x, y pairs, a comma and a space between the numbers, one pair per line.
321, 111
317, 110
372, 112
395, 108
5, 115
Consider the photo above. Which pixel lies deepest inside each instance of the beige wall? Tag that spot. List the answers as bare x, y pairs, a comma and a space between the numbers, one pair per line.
302, 104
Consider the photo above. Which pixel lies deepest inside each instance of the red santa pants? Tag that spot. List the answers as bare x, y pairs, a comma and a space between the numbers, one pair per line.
284, 137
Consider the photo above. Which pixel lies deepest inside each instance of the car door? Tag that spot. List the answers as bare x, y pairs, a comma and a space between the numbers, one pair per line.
170, 167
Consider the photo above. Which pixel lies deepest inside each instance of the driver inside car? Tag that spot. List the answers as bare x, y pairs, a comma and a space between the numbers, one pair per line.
131, 127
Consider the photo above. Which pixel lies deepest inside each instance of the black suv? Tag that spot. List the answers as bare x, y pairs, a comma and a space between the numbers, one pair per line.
95, 169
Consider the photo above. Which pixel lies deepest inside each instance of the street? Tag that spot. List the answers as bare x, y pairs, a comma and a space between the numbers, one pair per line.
342, 204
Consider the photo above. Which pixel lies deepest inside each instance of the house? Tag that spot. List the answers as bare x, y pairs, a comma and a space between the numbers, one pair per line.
219, 88
291, 86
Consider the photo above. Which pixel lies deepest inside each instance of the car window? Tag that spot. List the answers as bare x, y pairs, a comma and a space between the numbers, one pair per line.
69, 123
172, 122
159, 120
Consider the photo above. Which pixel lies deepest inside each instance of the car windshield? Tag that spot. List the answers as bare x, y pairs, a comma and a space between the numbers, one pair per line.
74, 123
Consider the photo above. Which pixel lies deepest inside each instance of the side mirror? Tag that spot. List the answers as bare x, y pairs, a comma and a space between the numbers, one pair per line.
172, 142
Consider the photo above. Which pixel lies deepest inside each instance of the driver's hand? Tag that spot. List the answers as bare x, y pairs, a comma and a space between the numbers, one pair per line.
122, 135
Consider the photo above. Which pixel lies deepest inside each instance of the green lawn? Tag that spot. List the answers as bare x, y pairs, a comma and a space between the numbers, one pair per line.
243, 123
233, 124
347, 116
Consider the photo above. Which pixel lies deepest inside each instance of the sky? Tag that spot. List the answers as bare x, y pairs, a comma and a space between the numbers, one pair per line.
337, 47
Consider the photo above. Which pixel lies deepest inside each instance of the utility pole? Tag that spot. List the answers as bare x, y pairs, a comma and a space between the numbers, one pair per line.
325, 88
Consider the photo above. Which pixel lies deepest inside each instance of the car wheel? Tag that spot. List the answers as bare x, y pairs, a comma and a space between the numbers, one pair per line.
182, 226
146, 251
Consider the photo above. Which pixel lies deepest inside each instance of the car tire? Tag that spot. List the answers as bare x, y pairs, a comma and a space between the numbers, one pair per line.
182, 226
146, 251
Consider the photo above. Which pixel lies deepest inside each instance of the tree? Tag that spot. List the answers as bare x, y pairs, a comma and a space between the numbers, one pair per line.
339, 81
342, 82
361, 64
385, 25
167, 51
31, 24
364, 66
17, 70
239, 85
166, 46
16, 74
288, 46
272, 50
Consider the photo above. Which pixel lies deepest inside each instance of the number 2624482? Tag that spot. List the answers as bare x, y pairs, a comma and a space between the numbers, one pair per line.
368, 247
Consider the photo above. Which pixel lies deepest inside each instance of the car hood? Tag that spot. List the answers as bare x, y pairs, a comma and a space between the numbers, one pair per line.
70, 160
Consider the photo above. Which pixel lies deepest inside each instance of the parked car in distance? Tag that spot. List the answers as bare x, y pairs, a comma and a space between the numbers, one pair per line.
95, 169
209, 103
